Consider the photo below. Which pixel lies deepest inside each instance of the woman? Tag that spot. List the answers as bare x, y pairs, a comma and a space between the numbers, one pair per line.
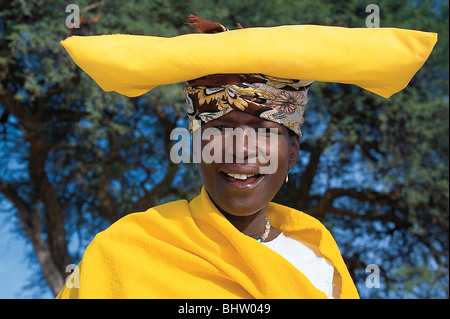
231, 241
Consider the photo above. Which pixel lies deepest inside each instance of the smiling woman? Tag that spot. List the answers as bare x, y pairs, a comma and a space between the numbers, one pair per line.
232, 241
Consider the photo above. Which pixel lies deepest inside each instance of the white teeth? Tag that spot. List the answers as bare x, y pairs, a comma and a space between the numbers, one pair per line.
240, 176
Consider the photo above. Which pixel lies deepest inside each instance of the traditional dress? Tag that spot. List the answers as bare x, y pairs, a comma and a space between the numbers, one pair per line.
190, 250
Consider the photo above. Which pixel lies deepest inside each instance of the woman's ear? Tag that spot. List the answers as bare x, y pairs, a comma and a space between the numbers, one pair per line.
294, 149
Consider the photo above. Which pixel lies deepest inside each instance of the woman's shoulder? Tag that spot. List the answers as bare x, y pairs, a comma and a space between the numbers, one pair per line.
138, 225
165, 210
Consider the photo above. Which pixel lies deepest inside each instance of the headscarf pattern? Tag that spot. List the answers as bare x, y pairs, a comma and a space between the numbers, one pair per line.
278, 100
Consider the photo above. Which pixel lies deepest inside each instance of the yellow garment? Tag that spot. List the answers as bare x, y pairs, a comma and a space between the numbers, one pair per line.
381, 60
190, 250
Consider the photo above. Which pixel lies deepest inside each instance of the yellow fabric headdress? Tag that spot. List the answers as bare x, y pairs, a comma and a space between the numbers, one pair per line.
381, 60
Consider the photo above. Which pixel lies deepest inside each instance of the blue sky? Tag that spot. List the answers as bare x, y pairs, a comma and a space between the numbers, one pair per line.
15, 268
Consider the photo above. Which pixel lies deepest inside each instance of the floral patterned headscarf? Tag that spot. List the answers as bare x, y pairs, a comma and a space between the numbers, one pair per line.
278, 100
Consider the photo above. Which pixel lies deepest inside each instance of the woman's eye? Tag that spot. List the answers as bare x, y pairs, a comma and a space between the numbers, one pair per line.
220, 128
269, 132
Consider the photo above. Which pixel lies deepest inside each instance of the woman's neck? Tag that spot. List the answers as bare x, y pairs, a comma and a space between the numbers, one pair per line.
250, 225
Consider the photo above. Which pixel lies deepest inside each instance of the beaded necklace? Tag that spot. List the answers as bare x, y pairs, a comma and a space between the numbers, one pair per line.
266, 231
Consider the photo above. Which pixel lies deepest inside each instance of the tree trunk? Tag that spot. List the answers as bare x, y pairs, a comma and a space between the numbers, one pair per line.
51, 253
31, 222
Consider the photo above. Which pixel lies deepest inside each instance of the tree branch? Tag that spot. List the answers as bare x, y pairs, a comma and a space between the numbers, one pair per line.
325, 204
308, 175
150, 198
53, 210
108, 204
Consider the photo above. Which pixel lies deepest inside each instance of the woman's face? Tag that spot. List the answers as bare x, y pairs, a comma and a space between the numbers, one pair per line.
240, 185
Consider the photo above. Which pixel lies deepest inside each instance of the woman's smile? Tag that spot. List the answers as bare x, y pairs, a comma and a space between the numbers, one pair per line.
240, 176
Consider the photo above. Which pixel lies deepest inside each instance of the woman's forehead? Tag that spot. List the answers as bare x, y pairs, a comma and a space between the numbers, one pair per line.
236, 118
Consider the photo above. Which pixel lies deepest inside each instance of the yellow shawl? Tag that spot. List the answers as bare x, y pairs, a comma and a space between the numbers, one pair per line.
190, 250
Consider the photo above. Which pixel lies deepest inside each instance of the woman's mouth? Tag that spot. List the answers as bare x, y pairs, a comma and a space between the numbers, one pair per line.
240, 176
241, 180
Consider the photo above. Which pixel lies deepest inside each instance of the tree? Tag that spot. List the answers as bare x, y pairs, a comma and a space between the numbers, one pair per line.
74, 159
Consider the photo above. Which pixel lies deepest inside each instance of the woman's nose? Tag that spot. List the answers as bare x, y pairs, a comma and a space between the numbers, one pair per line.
241, 145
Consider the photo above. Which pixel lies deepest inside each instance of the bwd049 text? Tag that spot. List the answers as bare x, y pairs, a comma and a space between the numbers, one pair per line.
245, 308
